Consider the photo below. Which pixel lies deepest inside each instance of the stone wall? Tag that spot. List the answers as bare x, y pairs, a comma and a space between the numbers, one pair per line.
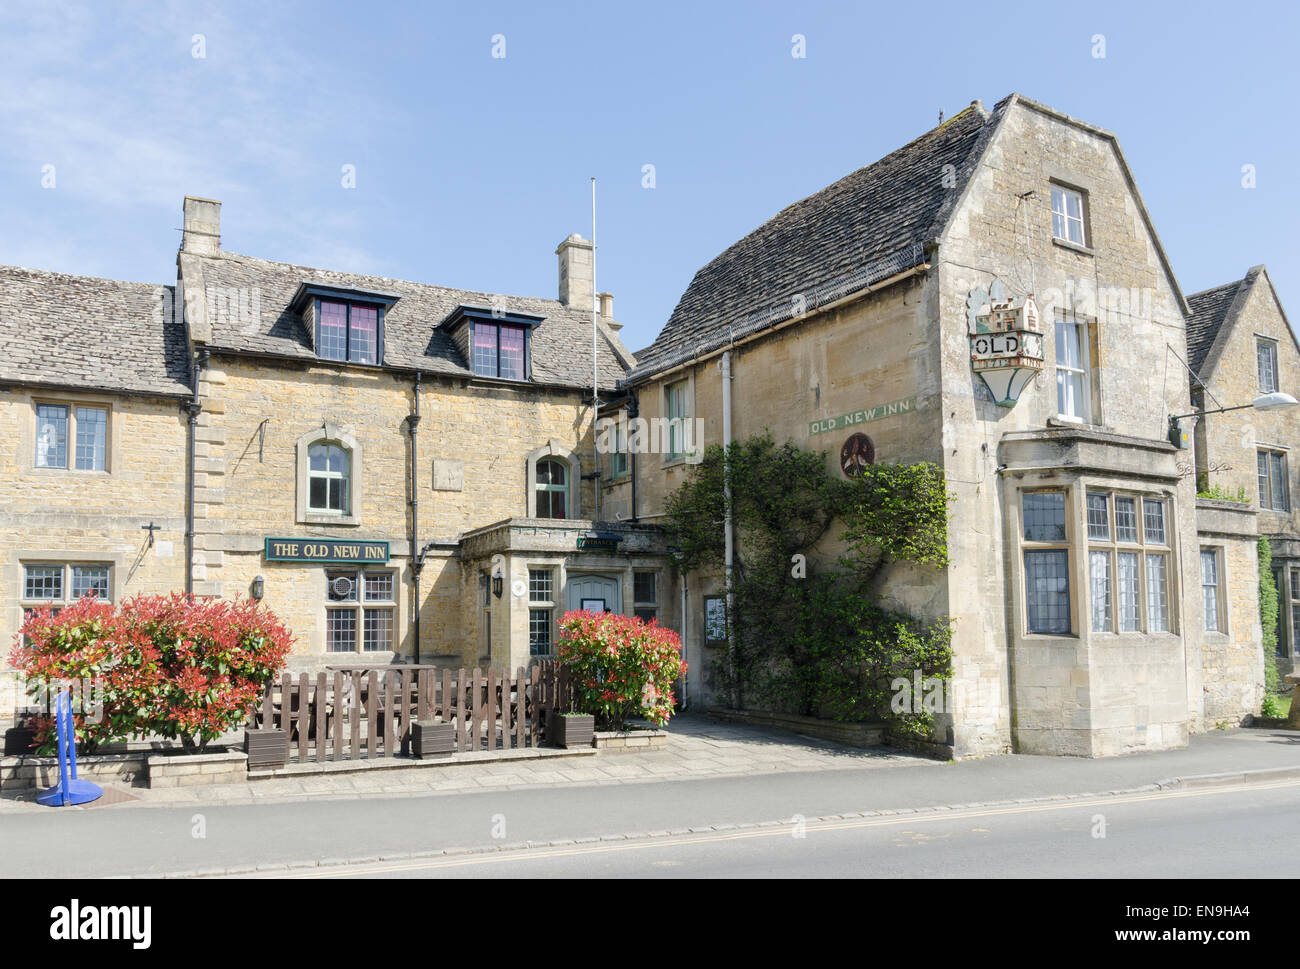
59, 516
1232, 658
1119, 285
257, 411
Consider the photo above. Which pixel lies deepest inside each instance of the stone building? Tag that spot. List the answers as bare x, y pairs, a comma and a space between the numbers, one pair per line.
1241, 346
992, 298
403, 472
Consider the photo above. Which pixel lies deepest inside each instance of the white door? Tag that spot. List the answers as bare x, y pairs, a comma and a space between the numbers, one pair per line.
598, 593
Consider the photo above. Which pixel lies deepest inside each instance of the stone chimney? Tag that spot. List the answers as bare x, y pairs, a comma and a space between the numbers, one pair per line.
202, 235
577, 282
607, 311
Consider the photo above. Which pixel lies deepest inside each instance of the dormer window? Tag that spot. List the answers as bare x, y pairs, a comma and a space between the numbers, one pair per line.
496, 342
345, 324
348, 331
499, 351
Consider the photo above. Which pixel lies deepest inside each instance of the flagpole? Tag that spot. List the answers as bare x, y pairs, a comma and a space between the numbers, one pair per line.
595, 369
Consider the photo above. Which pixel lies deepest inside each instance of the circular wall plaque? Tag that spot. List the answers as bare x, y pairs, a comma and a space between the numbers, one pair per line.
856, 454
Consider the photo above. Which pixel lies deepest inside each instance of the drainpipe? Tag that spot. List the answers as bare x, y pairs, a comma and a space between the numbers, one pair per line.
417, 560
728, 530
192, 410
633, 411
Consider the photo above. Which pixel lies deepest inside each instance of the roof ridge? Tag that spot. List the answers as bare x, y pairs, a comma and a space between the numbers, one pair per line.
95, 279
388, 279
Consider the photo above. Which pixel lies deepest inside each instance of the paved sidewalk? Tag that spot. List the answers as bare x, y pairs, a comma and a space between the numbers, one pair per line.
700, 750
696, 748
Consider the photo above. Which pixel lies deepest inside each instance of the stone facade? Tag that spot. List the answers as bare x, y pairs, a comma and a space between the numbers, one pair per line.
1228, 445
441, 462
1096, 687
61, 517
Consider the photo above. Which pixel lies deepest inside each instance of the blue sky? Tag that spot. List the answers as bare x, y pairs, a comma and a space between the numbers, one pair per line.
470, 169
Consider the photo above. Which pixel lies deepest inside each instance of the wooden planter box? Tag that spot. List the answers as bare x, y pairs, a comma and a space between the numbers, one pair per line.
266, 748
570, 730
432, 739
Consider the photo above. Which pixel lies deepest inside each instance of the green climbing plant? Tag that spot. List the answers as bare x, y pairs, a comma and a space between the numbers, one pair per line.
807, 636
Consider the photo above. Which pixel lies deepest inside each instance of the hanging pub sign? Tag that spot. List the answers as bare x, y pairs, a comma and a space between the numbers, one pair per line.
1006, 341
324, 550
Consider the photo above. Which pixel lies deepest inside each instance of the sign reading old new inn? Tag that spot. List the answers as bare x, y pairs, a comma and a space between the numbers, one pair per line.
904, 406
319, 550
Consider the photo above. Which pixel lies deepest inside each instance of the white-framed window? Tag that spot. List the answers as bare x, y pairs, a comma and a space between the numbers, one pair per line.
328, 478
1129, 563
1047, 562
645, 595
1271, 470
551, 485
1068, 215
1295, 606
59, 584
1073, 368
541, 612
1266, 364
677, 410
1211, 603
360, 610
71, 436
618, 464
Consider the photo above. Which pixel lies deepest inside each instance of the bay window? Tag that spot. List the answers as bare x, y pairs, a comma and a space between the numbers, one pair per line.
1127, 540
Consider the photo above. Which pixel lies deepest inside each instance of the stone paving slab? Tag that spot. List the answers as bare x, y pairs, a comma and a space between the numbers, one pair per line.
696, 748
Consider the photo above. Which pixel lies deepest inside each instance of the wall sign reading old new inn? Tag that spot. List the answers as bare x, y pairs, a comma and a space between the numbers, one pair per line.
904, 406
323, 550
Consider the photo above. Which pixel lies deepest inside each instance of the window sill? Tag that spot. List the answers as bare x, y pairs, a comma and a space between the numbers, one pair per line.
1073, 247
314, 519
1064, 420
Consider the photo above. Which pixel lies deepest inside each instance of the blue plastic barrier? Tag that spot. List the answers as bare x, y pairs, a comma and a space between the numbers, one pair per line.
69, 790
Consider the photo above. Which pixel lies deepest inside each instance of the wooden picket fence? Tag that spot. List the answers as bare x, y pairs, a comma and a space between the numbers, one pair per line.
367, 714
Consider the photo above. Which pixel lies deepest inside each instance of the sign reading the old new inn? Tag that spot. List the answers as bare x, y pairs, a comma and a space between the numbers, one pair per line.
323, 550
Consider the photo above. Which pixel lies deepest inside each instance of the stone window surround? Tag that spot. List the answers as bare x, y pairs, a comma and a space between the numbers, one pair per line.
13, 573
1140, 547
334, 434
71, 400
1260, 341
551, 450
1091, 346
1076, 542
1224, 631
1073, 182
552, 604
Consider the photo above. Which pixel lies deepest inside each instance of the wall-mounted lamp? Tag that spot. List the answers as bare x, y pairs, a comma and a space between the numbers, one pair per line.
1274, 401
258, 588
498, 585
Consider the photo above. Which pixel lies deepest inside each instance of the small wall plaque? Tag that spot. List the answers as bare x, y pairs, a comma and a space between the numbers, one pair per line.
448, 475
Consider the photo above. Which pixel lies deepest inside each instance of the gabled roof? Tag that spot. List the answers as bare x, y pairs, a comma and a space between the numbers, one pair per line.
1210, 310
864, 229
95, 334
413, 339
868, 226
1214, 314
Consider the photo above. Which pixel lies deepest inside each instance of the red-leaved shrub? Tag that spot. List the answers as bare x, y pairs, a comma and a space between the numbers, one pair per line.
622, 667
172, 666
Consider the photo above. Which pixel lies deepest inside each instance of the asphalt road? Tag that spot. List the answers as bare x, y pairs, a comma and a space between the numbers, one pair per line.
1230, 832
1245, 831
